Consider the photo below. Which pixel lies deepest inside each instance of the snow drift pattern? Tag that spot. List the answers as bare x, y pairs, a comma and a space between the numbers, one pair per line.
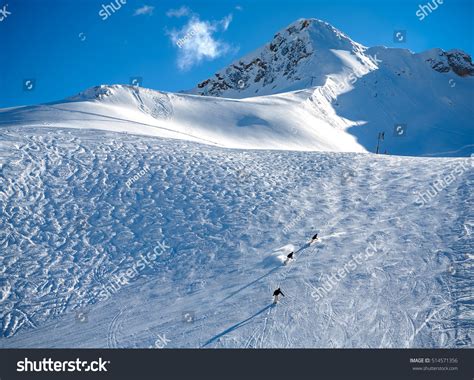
198, 232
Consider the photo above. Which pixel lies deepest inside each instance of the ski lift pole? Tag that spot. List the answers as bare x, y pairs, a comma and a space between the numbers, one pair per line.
380, 137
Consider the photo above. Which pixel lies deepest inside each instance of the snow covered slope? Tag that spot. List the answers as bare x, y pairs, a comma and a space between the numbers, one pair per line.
309, 120
261, 123
114, 240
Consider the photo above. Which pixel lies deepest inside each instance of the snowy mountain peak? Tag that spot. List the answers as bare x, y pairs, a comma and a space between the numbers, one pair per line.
308, 52
320, 33
93, 93
299, 56
112, 92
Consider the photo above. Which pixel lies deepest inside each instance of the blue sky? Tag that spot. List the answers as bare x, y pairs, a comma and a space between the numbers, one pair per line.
66, 46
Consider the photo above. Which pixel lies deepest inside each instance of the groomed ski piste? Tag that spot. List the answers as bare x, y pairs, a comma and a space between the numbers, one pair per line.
137, 218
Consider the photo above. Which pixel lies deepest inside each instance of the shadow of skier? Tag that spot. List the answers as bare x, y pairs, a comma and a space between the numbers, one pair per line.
237, 325
251, 283
307, 245
262, 277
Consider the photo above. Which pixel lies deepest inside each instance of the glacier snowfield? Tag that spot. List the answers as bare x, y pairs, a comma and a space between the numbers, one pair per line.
114, 240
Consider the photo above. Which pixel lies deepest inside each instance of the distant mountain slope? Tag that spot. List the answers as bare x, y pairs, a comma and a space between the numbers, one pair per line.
429, 95
283, 122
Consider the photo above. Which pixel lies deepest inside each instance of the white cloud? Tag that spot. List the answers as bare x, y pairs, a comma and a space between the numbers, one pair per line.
145, 10
225, 22
196, 40
180, 12
239, 8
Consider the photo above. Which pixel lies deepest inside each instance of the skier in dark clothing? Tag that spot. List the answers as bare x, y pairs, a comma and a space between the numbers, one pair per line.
276, 293
288, 258
314, 238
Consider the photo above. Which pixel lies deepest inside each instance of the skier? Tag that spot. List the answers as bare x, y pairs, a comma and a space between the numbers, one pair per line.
314, 238
276, 293
289, 257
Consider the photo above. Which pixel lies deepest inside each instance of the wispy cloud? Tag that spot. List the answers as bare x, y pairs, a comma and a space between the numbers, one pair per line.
225, 22
179, 12
145, 10
196, 40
